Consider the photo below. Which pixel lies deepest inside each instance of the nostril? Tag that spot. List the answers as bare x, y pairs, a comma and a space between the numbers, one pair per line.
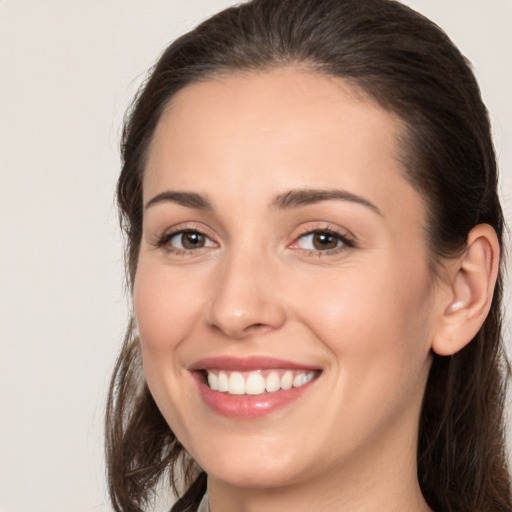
260, 327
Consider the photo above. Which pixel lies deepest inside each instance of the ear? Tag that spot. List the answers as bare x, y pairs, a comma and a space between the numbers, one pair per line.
470, 286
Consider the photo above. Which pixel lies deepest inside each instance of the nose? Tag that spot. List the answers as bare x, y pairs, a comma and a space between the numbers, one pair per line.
245, 300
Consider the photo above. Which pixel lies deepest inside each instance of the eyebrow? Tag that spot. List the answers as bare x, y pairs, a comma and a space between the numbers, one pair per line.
285, 201
188, 199
303, 197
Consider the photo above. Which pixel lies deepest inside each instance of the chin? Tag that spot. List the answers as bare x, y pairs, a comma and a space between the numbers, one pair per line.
255, 476
253, 468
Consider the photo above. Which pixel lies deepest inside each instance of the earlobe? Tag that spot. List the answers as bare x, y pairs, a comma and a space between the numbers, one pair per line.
471, 281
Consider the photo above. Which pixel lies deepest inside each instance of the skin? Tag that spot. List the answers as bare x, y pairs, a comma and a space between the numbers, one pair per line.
365, 315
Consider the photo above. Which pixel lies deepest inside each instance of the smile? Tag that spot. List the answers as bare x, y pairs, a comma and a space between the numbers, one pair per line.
252, 387
257, 382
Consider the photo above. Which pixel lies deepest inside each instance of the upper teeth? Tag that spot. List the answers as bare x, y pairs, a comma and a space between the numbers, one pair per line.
256, 382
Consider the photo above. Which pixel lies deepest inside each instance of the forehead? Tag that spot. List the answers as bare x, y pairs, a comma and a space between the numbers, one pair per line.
260, 132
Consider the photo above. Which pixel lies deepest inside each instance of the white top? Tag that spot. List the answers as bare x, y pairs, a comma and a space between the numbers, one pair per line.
203, 506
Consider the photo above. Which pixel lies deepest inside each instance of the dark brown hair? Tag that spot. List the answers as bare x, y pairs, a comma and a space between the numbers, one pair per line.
410, 67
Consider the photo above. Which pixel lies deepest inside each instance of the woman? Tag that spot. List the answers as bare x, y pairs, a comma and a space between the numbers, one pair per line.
309, 197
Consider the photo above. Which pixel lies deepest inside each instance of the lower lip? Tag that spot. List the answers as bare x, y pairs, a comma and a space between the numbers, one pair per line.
249, 406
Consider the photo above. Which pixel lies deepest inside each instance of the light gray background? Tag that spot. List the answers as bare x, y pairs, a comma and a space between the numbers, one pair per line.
68, 69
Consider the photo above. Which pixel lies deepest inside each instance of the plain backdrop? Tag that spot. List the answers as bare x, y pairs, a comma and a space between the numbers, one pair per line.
68, 69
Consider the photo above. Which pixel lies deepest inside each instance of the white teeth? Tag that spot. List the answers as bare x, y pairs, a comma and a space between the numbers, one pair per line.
287, 380
272, 382
298, 380
302, 378
309, 376
223, 382
236, 384
213, 381
255, 383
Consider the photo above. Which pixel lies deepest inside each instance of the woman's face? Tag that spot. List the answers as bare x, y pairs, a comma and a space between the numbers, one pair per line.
283, 247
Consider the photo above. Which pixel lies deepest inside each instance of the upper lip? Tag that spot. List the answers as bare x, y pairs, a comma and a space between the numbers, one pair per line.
247, 364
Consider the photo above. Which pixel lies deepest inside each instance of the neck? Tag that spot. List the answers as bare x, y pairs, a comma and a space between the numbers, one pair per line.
387, 483
347, 496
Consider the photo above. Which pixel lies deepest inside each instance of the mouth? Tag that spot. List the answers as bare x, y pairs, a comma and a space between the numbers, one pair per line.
252, 387
257, 382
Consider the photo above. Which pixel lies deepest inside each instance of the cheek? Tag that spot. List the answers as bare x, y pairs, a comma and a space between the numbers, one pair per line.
166, 306
377, 330
379, 316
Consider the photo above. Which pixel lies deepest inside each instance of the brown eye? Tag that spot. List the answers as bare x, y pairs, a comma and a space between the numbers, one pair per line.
188, 240
192, 240
325, 241
322, 241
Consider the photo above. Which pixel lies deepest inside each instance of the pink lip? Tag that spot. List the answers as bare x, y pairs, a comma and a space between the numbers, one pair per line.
247, 364
247, 406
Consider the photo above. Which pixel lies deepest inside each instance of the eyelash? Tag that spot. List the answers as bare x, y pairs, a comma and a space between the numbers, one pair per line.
346, 241
163, 242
